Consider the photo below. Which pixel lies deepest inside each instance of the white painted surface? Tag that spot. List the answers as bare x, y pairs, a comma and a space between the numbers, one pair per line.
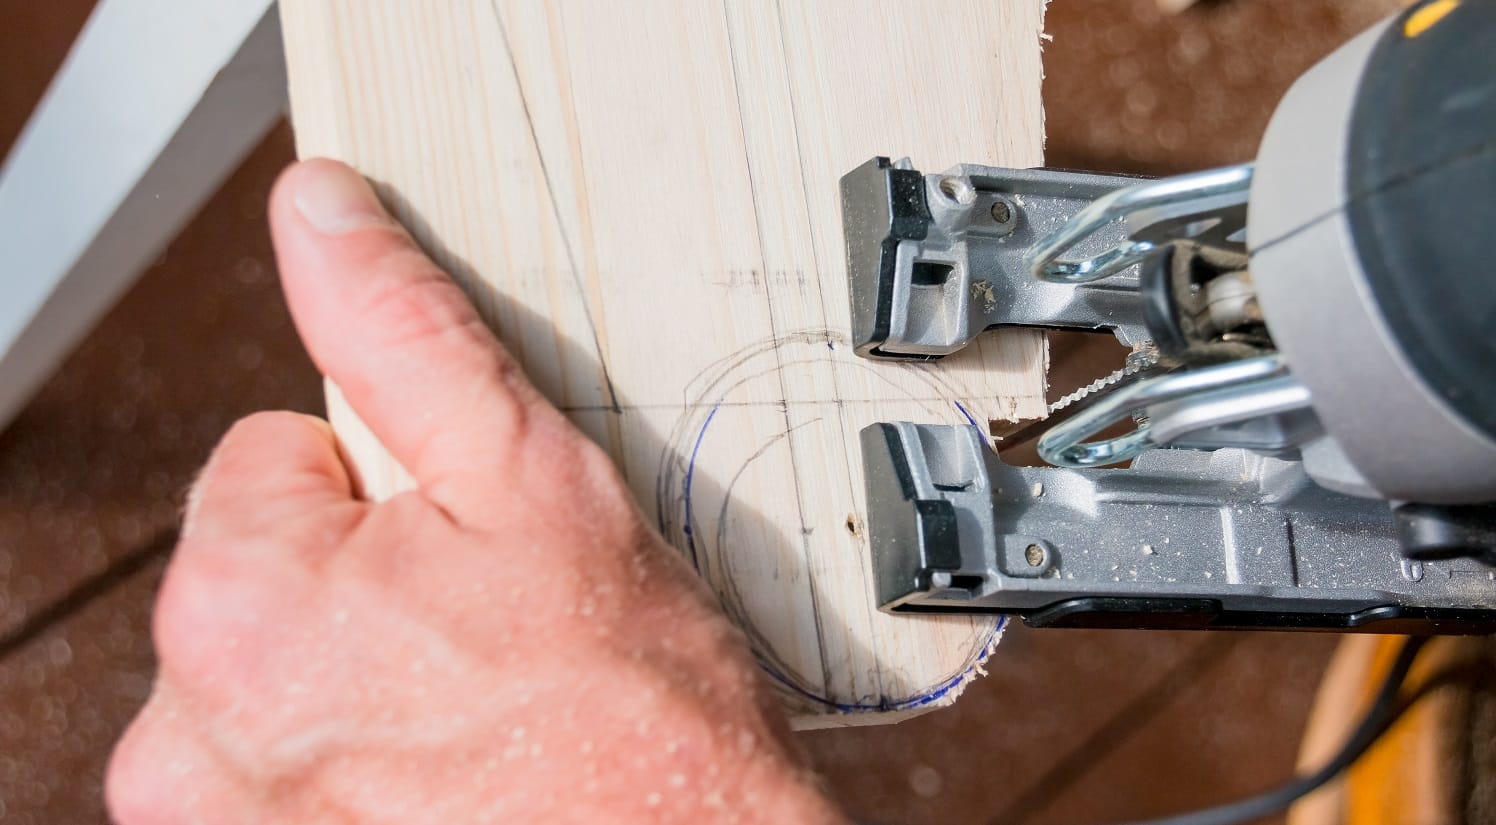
158, 102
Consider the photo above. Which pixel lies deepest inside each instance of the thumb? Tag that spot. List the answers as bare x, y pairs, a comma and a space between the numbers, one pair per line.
398, 337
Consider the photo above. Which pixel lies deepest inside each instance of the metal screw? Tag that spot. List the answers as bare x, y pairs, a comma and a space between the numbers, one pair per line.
958, 190
1034, 555
1001, 212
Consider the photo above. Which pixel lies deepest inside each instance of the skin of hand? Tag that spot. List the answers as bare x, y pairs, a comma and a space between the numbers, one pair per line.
510, 642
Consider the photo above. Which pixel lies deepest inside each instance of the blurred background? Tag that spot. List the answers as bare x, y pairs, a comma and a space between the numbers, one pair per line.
1070, 727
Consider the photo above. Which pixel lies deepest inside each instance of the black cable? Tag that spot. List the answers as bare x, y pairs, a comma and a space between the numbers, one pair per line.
1384, 711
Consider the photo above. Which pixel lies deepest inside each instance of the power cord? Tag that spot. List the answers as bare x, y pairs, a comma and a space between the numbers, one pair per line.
1385, 710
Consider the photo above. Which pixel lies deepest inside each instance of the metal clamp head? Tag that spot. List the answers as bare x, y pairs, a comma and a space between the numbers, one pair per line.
1213, 201
934, 260
1199, 400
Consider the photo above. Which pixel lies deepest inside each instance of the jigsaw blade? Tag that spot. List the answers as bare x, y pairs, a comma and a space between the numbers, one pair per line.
1142, 358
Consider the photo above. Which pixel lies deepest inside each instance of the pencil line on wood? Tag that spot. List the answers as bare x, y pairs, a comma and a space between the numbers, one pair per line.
758, 225
550, 188
815, 254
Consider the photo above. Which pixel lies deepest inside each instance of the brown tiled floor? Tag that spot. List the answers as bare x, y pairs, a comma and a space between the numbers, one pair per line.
1088, 726
1072, 726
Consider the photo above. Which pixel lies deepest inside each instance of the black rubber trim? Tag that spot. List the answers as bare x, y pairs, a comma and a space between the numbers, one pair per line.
898, 460
938, 534
1421, 173
1160, 310
1442, 531
1147, 613
881, 207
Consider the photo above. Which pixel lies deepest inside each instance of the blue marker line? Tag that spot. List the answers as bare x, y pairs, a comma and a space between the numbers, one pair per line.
969, 419
690, 474
916, 701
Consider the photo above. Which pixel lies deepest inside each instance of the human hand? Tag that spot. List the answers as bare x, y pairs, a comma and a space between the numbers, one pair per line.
510, 642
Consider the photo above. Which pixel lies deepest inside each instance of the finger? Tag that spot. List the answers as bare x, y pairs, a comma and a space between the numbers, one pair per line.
393, 331
270, 470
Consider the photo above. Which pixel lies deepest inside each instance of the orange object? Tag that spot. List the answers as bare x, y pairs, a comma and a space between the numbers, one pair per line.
1416, 774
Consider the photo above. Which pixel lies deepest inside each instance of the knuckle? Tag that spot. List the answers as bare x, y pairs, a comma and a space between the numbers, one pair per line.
261, 421
241, 450
177, 618
257, 426
421, 304
132, 790
600, 476
200, 606
511, 403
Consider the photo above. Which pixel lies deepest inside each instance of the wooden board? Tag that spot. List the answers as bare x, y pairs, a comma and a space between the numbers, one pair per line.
642, 200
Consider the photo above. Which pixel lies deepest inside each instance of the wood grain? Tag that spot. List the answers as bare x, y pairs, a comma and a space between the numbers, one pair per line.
642, 200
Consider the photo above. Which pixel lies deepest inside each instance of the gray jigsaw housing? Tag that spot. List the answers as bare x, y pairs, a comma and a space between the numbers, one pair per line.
1226, 538
1223, 539
1321, 323
936, 259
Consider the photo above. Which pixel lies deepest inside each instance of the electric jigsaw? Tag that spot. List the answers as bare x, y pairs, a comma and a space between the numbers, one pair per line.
1311, 391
